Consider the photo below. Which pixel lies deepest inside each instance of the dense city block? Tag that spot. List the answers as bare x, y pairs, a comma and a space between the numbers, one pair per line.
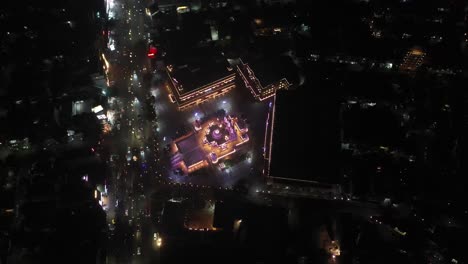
233, 131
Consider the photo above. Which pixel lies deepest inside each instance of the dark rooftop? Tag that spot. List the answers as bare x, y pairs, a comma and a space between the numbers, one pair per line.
272, 69
173, 216
190, 150
305, 150
197, 67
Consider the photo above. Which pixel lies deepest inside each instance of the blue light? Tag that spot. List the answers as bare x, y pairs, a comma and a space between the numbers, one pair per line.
224, 102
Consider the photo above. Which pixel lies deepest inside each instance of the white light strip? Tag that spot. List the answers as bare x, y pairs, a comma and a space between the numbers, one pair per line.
271, 135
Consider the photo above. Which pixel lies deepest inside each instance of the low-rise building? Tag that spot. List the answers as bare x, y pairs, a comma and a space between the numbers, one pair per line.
203, 76
259, 91
413, 59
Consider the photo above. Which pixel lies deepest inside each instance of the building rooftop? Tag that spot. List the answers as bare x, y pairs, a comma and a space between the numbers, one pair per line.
198, 67
190, 149
216, 139
307, 149
288, 157
173, 216
271, 69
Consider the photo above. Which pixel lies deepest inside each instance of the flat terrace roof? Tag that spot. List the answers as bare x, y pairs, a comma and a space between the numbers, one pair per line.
200, 67
190, 149
271, 70
304, 141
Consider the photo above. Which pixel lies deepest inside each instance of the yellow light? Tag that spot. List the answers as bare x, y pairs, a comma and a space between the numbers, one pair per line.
105, 60
237, 224
335, 249
159, 242
183, 9
95, 194
417, 52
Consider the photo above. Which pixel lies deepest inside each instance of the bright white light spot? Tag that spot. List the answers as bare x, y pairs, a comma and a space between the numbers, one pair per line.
97, 109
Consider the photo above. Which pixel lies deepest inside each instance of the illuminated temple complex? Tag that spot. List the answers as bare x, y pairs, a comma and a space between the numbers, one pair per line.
213, 140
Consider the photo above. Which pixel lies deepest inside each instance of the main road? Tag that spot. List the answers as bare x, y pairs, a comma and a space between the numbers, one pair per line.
133, 144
